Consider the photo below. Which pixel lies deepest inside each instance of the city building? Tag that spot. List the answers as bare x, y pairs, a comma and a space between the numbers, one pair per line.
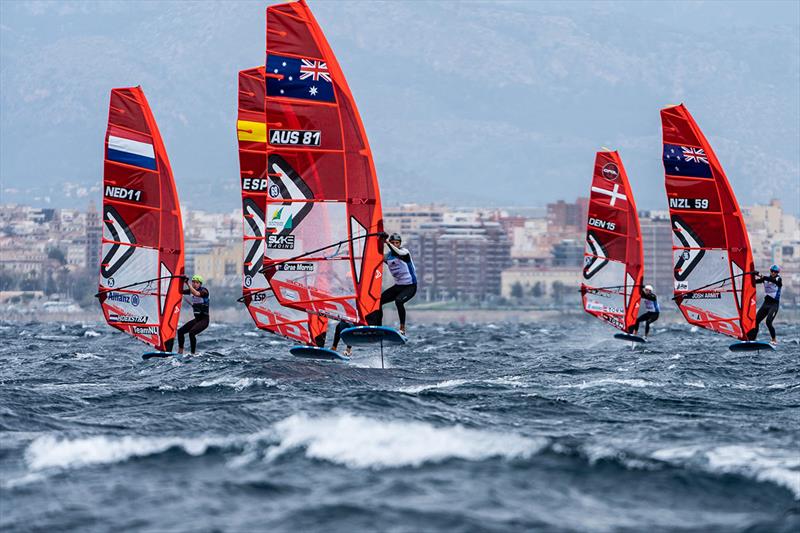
542, 285
407, 218
220, 266
460, 258
657, 246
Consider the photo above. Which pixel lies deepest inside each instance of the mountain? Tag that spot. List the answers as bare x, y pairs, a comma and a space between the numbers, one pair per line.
464, 103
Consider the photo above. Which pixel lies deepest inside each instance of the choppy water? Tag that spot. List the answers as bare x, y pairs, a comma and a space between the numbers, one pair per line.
551, 427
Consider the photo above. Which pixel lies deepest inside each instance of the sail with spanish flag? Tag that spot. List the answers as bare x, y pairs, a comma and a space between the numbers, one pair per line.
613, 258
322, 204
142, 265
265, 310
714, 286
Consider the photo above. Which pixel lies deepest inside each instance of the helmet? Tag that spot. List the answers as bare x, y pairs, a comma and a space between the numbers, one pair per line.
774, 268
395, 237
198, 277
648, 288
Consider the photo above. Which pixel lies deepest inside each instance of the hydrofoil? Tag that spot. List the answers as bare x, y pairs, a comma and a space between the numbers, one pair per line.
320, 354
372, 335
157, 355
750, 346
630, 338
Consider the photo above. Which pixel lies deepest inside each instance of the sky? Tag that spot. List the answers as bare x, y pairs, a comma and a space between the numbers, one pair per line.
470, 103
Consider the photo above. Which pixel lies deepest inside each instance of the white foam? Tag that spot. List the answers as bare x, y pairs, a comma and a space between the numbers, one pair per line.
50, 452
237, 384
250, 334
781, 467
414, 389
636, 382
697, 384
361, 442
90, 333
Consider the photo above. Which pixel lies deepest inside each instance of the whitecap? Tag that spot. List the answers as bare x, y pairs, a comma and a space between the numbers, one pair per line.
781, 467
237, 384
91, 333
635, 382
361, 442
414, 389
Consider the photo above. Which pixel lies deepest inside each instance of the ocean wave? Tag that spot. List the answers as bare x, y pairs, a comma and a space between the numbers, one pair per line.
635, 382
781, 467
238, 384
362, 442
51, 452
415, 389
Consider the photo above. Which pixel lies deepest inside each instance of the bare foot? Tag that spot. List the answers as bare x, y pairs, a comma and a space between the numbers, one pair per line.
348, 351
402, 329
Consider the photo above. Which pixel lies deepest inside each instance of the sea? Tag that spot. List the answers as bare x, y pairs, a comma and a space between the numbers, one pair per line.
494, 427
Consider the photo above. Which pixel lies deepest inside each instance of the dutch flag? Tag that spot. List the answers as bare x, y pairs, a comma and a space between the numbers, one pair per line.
131, 148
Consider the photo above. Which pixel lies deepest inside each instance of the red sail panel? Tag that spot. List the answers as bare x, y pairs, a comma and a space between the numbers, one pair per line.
322, 204
142, 242
264, 308
710, 244
613, 259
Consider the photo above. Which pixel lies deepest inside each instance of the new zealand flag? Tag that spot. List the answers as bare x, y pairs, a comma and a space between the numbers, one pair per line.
686, 161
307, 79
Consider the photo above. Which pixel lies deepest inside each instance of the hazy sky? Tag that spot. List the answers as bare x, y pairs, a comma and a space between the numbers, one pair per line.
472, 103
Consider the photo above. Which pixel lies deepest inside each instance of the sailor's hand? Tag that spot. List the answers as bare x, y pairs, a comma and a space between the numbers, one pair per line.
383, 235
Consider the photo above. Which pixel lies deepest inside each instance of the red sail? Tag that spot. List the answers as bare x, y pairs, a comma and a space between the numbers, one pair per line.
267, 313
613, 260
142, 243
713, 259
322, 204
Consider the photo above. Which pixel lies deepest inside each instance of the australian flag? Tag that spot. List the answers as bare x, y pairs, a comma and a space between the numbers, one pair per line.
308, 79
686, 161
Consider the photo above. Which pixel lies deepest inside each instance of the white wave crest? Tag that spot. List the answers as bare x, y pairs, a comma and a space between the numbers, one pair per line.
51, 452
361, 442
414, 389
237, 384
781, 467
636, 382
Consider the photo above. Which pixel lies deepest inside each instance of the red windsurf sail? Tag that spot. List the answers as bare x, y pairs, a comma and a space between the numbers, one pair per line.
613, 259
142, 242
322, 204
713, 259
267, 313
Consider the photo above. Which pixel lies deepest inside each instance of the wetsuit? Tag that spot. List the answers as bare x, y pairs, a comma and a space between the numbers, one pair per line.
650, 315
770, 305
337, 333
200, 320
405, 277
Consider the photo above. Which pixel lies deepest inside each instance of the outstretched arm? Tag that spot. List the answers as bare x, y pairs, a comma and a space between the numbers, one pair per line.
396, 250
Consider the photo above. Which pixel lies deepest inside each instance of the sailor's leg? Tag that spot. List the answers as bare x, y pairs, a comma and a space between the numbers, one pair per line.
650, 319
182, 334
337, 334
773, 312
169, 344
405, 295
761, 315
200, 326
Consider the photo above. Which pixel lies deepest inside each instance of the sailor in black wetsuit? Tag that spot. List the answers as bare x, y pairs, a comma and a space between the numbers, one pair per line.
337, 334
651, 311
772, 302
200, 301
405, 278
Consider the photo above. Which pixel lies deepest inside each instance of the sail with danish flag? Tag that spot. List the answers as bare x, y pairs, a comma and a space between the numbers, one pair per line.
614, 258
322, 209
142, 263
265, 310
714, 286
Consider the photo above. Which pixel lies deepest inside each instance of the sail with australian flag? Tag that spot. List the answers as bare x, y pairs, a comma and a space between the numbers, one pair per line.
613, 258
265, 310
714, 286
322, 205
142, 265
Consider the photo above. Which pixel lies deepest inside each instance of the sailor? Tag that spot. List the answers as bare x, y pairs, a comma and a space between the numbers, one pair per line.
651, 311
199, 300
772, 301
401, 266
337, 334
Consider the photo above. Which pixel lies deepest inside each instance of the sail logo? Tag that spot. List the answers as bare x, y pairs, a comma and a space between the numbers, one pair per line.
255, 184
122, 249
295, 267
295, 137
688, 203
596, 258
692, 254
128, 319
283, 217
147, 330
610, 171
123, 193
280, 242
602, 224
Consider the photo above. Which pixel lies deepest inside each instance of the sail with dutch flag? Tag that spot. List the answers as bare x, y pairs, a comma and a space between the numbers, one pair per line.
613, 258
142, 265
713, 262
322, 208
262, 305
